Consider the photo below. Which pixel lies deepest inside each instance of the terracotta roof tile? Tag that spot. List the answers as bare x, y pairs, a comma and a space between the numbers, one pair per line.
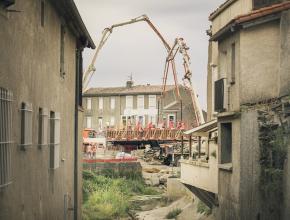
263, 12
276, 8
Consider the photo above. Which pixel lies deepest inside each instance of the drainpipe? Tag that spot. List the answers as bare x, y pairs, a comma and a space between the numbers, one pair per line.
78, 97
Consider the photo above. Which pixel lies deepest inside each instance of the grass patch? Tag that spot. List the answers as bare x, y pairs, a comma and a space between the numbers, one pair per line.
106, 195
173, 214
203, 209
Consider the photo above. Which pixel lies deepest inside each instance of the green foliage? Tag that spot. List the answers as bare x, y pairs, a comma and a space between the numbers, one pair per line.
203, 209
106, 195
274, 139
173, 214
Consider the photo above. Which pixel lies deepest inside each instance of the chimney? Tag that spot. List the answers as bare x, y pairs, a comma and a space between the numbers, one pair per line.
129, 84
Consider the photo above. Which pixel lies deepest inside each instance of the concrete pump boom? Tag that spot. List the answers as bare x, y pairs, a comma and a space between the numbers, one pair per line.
105, 35
179, 45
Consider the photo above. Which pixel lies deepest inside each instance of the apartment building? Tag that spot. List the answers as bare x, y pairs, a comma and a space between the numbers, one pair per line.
250, 71
40, 116
127, 106
248, 95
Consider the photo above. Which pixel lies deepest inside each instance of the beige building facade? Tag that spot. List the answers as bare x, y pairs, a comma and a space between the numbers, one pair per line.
120, 107
40, 109
248, 93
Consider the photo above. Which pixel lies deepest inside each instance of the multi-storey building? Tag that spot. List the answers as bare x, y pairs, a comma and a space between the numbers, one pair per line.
248, 93
120, 107
40, 109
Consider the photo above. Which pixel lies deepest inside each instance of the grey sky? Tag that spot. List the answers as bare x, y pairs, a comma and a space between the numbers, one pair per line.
136, 50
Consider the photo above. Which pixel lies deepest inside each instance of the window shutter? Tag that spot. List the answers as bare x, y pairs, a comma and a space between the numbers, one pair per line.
54, 140
26, 125
152, 101
219, 95
6, 142
43, 128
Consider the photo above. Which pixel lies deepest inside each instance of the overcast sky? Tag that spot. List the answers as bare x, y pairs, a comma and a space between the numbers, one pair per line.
136, 49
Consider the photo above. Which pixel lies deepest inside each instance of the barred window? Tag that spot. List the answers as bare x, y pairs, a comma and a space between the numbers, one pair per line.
26, 125
6, 142
43, 127
54, 139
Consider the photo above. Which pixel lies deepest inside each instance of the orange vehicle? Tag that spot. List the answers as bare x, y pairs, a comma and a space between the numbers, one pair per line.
89, 133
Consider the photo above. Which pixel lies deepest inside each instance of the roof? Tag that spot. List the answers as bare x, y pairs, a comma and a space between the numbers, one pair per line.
202, 129
134, 90
68, 10
235, 23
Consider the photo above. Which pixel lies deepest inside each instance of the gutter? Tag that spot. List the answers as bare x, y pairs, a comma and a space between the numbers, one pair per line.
69, 12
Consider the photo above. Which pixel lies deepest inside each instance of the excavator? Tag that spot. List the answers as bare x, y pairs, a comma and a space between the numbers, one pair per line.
178, 46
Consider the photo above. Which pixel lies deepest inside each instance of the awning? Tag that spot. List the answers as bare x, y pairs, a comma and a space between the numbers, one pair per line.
203, 129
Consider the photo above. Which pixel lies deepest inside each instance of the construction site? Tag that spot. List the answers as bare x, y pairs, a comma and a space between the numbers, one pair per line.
182, 112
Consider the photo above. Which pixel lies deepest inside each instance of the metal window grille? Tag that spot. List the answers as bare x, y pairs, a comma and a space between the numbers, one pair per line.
43, 128
6, 142
54, 140
26, 125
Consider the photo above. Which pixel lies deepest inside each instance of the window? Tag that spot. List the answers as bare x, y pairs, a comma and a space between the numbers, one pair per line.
129, 102
6, 142
89, 122
89, 103
101, 103
42, 13
226, 143
233, 63
113, 103
171, 120
214, 78
62, 33
220, 95
7, 3
42, 127
140, 101
100, 124
152, 101
112, 121
26, 125
54, 139
124, 121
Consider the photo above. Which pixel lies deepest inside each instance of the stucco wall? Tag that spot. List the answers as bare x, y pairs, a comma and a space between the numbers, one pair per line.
260, 50
238, 7
284, 67
229, 180
201, 174
225, 71
250, 166
30, 68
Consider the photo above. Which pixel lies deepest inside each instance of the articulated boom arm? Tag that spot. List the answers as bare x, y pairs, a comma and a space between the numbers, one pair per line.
105, 35
180, 46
